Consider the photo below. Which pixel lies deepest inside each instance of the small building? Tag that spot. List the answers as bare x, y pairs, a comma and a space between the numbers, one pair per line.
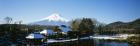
35, 39
64, 29
47, 32
35, 36
44, 32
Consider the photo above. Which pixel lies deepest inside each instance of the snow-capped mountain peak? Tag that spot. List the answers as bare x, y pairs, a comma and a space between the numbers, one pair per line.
55, 17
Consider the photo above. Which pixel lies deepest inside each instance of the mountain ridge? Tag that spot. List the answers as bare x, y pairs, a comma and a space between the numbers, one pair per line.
54, 20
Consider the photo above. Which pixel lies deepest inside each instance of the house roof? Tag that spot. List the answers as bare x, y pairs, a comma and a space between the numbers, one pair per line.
35, 36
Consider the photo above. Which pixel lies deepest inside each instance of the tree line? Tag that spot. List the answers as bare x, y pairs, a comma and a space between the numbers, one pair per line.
82, 27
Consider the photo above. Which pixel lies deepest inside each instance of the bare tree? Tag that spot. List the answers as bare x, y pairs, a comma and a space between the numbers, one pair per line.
18, 22
8, 20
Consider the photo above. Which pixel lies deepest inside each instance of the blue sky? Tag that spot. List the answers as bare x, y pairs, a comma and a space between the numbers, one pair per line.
105, 11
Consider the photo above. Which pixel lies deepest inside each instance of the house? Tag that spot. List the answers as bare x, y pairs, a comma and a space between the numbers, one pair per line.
35, 39
47, 32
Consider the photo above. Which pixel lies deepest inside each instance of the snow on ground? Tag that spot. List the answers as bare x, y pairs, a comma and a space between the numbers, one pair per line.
118, 37
104, 38
53, 40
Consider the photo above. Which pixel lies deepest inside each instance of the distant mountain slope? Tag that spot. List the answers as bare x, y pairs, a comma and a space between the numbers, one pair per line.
120, 24
54, 19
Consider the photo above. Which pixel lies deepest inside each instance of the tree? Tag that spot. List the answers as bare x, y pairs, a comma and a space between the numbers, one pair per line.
137, 30
75, 24
86, 26
72, 34
18, 22
83, 26
57, 29
101, 29
8, 20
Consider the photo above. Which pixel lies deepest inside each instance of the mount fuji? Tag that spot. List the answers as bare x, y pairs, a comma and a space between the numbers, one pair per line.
53, 20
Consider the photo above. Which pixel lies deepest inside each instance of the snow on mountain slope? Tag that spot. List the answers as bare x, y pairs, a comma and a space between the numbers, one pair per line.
54, 19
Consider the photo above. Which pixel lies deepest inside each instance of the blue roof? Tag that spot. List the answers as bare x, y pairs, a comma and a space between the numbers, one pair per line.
35, 36
50, 31
65, 29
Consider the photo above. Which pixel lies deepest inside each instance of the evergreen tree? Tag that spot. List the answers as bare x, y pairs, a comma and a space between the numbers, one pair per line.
86, 27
